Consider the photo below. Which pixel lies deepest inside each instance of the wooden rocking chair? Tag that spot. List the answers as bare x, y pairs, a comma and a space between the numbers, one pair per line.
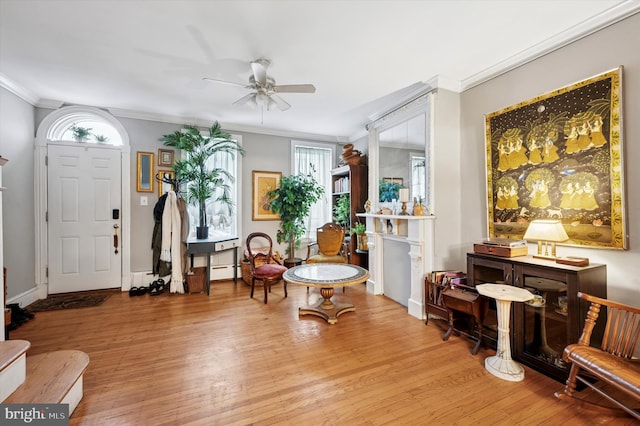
612, 363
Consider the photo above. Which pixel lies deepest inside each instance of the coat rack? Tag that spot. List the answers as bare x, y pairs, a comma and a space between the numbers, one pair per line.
166, 178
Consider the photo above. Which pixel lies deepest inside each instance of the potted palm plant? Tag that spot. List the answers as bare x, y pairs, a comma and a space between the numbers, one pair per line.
292, 200
203, 181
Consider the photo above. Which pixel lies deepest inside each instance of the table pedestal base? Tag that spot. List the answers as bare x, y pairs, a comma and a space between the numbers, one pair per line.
506, 369
501, 365
326, 308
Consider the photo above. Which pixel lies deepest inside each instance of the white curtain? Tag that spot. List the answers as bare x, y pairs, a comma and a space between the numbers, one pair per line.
418, 177
318, 163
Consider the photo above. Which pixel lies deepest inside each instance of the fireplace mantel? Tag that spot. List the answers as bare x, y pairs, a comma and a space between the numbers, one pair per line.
411, 240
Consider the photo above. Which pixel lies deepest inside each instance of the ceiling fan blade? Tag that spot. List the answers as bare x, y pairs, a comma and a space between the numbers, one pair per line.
295, 88
232, 83
280, 103
249, 99
259, 68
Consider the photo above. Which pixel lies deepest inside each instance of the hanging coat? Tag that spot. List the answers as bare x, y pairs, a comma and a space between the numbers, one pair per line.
160, 267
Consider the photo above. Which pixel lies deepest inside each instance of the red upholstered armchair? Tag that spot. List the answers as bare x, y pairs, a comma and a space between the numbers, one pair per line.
264, 266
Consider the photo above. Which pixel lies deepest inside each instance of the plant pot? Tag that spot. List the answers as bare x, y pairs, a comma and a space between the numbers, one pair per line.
363, 242
202, 232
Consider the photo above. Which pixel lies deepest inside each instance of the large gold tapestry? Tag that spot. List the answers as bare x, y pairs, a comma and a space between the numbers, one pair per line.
559, 156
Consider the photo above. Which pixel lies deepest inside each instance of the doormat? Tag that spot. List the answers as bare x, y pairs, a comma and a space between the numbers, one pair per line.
81, 299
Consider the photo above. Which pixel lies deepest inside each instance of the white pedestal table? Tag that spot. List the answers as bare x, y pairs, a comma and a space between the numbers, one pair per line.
501, 365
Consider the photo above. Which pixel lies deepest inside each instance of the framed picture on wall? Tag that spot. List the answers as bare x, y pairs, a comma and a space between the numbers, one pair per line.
559, 156
163, 185
263, 182
165, 157
144, 181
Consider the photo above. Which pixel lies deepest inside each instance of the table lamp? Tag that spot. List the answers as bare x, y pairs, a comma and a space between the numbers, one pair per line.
549, 232
404, 197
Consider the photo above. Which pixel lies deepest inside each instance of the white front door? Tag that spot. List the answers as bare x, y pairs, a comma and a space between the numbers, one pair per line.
83, 192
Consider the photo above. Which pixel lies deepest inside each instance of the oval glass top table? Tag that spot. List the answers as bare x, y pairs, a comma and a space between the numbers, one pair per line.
501, 365
326, 277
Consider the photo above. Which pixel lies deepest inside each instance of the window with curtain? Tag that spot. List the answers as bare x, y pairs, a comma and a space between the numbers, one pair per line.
418, 177
315, 159
222, 221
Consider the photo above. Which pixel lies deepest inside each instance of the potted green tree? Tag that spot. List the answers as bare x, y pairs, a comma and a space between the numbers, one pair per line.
389, 191
342, 210
203, 181
292, 200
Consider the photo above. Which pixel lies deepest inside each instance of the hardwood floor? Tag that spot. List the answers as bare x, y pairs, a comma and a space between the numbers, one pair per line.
228, 359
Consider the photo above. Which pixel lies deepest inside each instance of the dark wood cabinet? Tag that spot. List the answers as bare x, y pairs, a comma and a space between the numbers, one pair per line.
540, 332
352, 180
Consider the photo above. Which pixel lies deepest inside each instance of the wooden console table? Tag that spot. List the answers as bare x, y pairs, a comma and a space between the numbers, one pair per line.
540, 333
210, 246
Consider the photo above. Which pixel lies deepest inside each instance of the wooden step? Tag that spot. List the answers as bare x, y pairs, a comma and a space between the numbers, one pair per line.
52, 378
12, 365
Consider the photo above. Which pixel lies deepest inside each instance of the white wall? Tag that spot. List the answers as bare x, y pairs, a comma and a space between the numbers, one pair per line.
592, 55
450, 251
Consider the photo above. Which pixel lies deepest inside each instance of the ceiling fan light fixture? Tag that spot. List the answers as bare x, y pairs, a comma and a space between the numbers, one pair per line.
265, 91
252, 102
262, 99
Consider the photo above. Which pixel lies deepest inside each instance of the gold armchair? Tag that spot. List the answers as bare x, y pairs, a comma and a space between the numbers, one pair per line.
329, 246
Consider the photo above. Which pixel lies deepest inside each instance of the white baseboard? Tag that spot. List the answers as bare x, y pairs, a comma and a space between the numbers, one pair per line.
28, 297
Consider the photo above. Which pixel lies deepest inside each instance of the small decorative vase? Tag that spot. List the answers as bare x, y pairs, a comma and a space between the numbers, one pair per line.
418, 210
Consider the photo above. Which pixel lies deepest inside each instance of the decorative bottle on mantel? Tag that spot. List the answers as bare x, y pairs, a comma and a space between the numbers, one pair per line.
418, 208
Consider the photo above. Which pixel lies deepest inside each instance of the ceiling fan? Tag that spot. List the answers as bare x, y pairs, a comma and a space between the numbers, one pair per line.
264, 88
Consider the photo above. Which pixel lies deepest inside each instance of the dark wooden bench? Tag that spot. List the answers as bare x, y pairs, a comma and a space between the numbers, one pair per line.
612, 363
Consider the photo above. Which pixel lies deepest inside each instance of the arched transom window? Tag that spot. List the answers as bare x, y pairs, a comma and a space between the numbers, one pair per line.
87, 127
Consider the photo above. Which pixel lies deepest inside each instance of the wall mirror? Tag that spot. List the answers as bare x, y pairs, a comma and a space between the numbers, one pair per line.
398, 142
145, 172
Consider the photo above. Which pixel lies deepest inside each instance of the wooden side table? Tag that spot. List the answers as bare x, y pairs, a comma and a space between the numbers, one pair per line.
326, 276
467, 301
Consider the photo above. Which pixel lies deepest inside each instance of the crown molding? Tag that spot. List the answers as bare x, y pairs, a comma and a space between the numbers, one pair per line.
442, 82
18, 90
581, 30
229, 127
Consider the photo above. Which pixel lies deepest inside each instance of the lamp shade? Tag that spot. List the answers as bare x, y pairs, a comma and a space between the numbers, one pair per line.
404, 195
546, 230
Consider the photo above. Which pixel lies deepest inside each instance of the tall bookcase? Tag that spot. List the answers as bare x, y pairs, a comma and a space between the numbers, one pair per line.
352, 180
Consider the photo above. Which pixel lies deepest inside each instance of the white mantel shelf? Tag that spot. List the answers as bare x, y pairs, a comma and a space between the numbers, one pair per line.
393, 224
418, 234
396, 216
